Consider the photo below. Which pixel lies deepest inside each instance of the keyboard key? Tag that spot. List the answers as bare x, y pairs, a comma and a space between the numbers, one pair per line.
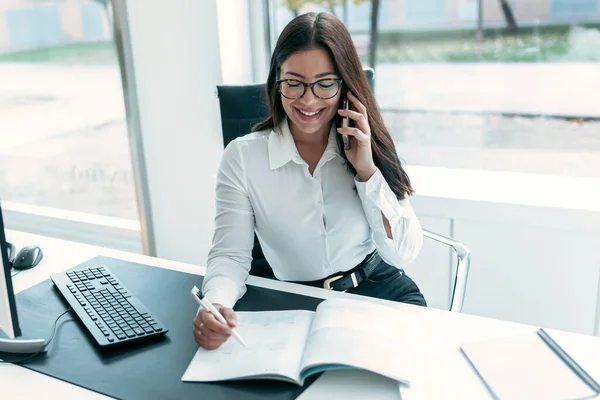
156, 327
130, 333
138, 331
147, 329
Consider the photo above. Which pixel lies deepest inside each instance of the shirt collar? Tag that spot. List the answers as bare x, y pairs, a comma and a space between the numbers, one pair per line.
282, 148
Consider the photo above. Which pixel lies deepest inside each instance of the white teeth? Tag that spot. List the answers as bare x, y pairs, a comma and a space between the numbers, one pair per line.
310, 114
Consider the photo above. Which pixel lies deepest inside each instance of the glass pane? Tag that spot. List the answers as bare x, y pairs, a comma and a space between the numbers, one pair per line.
63, 131
520, 94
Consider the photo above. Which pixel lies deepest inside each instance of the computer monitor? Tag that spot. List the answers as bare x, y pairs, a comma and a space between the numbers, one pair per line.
9, 323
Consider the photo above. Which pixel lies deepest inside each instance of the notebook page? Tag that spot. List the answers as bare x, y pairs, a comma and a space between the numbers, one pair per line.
362, 335
275, 340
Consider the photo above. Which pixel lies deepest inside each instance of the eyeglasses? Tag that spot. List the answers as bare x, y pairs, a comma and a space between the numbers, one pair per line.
323, 88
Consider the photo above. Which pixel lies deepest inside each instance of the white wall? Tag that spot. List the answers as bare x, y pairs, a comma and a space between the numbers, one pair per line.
175, 67
537, 265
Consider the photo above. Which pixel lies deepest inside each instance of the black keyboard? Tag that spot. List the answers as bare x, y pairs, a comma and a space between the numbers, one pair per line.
107, 309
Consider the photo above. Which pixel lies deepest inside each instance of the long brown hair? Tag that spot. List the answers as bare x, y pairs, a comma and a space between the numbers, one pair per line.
325, 31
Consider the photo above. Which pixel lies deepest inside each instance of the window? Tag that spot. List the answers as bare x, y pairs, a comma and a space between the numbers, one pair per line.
513, 91
64, 142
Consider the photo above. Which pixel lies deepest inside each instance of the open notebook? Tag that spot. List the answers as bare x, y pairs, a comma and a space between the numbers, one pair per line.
292, 345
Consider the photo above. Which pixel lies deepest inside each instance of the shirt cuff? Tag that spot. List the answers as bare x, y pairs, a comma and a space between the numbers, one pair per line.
221, 290
377, 197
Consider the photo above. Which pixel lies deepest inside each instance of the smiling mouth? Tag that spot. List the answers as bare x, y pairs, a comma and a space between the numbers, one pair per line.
309, 113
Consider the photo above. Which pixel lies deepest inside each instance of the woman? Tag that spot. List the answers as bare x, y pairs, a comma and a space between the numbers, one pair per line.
325, 216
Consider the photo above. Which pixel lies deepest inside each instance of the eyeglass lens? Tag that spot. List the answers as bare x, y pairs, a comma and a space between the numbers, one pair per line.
324, 89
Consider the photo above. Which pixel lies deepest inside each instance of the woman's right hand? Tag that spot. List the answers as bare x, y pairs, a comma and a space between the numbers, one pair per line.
208, 331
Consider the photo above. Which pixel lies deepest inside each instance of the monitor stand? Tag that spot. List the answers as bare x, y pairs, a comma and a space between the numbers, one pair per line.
22, 346
11, 345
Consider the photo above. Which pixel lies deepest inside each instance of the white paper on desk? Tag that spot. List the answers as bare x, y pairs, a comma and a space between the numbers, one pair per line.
524, 367
275, 345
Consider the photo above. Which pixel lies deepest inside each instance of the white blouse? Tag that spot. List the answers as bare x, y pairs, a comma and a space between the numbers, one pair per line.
309, 227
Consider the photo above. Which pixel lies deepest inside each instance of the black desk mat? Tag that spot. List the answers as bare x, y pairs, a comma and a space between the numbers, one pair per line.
149, 369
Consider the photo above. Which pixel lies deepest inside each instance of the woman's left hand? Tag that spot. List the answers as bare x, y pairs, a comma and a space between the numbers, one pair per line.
360, 153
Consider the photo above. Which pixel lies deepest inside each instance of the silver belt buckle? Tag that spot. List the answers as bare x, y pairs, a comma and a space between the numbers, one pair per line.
327, 283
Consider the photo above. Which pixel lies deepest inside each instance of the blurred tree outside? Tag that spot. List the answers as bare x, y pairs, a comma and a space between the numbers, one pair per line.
509, 16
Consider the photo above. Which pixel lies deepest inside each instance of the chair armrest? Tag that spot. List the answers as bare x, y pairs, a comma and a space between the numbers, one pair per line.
462, 268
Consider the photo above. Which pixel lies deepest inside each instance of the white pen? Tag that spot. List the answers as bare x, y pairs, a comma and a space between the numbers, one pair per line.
203, 301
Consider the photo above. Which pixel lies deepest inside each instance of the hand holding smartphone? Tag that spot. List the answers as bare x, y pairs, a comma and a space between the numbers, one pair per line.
346, 123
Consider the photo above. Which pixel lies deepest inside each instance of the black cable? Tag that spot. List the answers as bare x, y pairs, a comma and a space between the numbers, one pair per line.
32, 356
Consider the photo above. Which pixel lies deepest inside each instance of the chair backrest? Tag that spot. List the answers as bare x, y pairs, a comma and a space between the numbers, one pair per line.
242, 107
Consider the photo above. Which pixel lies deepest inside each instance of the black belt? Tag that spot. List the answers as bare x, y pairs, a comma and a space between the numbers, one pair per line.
352, 278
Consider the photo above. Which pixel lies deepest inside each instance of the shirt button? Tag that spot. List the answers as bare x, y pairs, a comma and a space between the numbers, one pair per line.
320, 203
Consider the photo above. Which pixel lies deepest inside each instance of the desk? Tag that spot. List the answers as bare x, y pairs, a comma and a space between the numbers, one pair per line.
445, 372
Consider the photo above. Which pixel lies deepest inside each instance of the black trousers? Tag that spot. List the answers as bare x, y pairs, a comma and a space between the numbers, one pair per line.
389, 283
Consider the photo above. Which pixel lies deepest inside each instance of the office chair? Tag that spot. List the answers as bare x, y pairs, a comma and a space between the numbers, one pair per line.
242, 106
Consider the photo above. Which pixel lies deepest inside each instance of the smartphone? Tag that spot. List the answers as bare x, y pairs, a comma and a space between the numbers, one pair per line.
346, 123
